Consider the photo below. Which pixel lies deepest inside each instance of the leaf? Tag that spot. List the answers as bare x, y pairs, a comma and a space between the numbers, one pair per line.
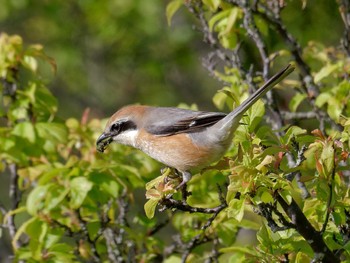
20, 231
334, 108
36, 197
322, 99
267, 160
266, 197
150, 207
219, 100
292, 131
79, 187
171, 9
212, 4
245, 250
30, 63
286, 196
255, 114
156, 181
217, 17
231, 20
325, 72
55, 132
25, 130
236, 210
295, 101
249, 224
327, 158
111, 187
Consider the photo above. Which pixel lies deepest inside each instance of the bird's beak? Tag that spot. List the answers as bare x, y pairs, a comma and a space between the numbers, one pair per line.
103, 141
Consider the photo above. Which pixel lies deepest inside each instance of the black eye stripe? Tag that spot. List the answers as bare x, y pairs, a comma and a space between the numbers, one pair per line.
122, 126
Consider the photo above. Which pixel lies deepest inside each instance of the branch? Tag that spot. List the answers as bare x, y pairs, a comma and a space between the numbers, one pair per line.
83, 225
306, 230
311, 87
171, 203
158, 227
255, 35
229, 57
344, 10
266, 210
194, 242
15, 196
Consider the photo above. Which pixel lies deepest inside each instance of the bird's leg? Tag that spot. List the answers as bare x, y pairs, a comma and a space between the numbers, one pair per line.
186, 176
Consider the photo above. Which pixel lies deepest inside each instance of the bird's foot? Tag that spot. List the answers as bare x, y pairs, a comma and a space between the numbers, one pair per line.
186, 176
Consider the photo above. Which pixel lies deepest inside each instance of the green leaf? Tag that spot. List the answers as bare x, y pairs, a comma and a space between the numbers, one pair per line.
236, 209
79, 187
56, 194
262, 25
217, 17
36, 197
296, 100
266, 197
156, 181
292, 131
219, 100
255, 114
55, 132
322, 99
150, 207
212, 4
327, 158
171, 9
286, 196
30, 63
111, 187
325, 72
173, 259
249, 224
334, 108
231, 20
25, 130
245, 250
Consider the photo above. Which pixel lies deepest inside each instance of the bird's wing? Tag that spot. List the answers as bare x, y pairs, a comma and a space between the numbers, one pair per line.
170, 121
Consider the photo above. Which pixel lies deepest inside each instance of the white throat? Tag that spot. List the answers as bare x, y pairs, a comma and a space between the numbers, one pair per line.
127, 137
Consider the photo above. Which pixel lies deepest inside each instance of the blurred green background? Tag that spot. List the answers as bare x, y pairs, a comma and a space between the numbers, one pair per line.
114, 52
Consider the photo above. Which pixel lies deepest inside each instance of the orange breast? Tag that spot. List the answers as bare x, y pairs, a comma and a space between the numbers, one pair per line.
177, 151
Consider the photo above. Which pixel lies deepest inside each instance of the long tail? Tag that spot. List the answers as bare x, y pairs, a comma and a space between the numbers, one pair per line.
233, 118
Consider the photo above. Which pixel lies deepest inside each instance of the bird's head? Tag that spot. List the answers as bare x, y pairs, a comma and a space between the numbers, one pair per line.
122, 127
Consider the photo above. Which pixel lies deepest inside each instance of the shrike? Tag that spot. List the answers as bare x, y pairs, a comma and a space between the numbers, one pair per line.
186, 140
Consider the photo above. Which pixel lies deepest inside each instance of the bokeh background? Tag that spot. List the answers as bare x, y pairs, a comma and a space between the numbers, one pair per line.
115, 52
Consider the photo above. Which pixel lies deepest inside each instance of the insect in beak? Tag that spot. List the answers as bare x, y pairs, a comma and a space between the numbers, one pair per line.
103, 141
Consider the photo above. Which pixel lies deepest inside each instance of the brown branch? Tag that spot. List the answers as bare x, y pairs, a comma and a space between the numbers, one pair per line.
306, 230
194, 242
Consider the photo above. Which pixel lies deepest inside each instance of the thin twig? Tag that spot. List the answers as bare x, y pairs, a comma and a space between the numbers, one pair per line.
15, 196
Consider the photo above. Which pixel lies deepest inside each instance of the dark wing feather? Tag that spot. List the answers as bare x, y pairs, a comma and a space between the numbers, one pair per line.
171, 121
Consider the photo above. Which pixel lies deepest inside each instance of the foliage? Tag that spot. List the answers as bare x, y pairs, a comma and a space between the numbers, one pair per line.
283, 180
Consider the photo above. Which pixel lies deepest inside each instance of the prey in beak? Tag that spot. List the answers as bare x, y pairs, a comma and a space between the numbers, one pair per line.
103, 141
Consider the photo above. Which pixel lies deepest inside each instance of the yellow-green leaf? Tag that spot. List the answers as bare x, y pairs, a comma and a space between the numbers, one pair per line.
79, 187
296, 100
25, 130
150, 207
171, 9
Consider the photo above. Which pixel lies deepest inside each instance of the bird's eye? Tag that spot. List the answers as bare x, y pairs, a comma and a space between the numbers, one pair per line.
115, 127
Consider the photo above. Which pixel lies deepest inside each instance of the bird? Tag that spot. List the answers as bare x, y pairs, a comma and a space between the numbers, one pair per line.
183, 139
